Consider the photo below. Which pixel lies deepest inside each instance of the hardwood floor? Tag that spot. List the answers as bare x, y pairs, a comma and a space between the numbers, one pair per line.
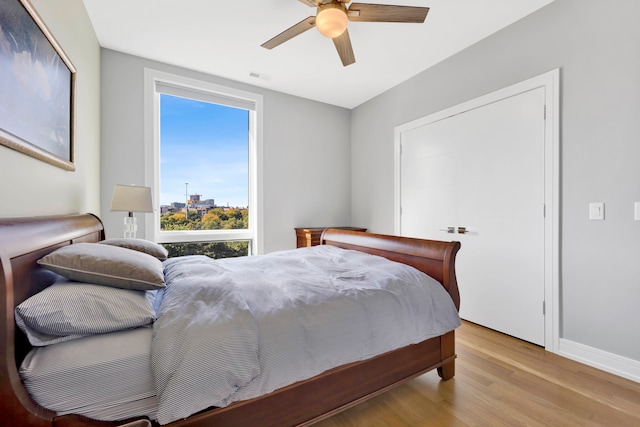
502, 381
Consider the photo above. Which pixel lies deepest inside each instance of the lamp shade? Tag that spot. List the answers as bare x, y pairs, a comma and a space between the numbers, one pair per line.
131, 198
331, 20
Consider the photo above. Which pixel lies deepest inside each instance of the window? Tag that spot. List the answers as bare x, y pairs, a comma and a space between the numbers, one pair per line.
202, 144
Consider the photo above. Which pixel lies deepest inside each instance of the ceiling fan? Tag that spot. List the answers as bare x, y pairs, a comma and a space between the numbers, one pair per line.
332, 18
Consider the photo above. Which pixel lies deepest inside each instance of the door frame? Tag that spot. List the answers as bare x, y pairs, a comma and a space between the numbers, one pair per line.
550, 81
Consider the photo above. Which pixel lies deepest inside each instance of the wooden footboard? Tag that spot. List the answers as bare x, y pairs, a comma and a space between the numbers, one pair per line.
24, 241
435, 258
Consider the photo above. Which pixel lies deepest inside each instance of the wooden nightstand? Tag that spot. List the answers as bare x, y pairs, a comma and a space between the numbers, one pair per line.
310, 236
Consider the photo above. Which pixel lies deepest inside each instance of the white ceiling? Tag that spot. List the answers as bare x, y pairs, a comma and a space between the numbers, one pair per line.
223, 38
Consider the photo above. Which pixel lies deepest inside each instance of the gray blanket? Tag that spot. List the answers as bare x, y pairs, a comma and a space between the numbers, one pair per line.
234, 329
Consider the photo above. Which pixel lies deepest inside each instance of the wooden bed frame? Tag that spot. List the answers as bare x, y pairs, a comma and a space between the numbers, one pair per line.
25, 240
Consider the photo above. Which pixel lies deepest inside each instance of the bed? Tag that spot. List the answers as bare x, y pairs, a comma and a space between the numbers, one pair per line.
24, 241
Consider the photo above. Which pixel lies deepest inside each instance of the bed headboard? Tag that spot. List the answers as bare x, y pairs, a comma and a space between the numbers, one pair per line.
435, 258
22, 242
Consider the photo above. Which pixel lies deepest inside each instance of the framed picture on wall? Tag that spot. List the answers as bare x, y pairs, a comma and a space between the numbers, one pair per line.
36, 87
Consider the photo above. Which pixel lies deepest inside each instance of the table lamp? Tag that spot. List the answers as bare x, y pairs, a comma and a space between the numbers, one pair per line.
131, 198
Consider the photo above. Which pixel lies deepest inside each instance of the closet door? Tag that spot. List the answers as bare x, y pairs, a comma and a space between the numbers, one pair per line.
480, 174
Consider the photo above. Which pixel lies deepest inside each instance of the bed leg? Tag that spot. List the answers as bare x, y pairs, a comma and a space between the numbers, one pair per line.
448, 356
447, 370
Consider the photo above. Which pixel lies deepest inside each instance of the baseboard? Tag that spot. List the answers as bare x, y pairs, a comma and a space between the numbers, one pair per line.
608, 362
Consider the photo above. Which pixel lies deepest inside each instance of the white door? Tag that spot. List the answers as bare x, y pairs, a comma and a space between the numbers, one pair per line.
483, 169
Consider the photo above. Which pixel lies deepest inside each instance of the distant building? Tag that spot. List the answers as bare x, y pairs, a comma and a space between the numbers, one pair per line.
173, 207
200, 206
195, 203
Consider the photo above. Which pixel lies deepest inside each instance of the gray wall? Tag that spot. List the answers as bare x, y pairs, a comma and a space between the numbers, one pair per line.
306, 166
597, 47
30, 187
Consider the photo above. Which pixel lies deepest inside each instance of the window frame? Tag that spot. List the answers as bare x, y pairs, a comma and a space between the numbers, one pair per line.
209, 92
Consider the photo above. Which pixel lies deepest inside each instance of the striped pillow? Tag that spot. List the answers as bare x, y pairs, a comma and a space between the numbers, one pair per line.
70, 310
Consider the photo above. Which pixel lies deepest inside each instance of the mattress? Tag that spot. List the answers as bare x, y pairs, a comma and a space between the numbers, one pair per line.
106, 377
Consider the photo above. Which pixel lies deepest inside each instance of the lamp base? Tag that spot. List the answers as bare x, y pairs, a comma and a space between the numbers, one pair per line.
130, 226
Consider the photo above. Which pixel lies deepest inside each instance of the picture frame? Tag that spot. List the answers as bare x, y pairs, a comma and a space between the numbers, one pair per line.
37, 82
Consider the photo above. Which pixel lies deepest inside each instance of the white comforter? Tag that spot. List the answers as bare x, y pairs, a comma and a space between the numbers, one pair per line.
234, 329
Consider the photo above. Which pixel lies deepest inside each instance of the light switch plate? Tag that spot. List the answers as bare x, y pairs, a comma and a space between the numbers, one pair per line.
596, 211
636, 211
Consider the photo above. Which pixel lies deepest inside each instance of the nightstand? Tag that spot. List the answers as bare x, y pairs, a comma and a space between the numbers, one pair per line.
310, 236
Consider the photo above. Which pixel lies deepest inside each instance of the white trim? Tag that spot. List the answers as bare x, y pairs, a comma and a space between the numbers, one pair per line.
209, 236
605, 361
190, 92
550, 81
150, 154
151, 109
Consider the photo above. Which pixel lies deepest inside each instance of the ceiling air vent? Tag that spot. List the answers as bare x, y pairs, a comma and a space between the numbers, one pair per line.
260, 76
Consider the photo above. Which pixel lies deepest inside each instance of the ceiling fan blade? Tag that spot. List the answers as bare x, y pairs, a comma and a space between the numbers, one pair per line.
299, 28
343, 45
317, 3
365, 12
310, 3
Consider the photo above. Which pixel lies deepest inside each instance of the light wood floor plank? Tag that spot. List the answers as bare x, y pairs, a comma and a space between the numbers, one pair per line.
502, 381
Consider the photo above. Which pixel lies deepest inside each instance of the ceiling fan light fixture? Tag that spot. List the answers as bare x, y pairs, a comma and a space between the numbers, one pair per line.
331, 20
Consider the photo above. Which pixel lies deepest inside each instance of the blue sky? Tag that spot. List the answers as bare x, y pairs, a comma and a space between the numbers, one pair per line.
205, 145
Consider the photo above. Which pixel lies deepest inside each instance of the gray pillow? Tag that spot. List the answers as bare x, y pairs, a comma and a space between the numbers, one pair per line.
140, 245
65, 311
106, 265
